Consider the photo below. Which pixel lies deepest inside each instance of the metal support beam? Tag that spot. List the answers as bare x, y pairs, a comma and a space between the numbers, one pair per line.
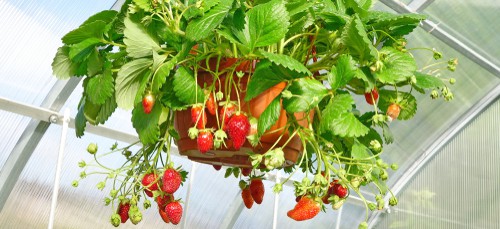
438, 144
447, 38
420, 5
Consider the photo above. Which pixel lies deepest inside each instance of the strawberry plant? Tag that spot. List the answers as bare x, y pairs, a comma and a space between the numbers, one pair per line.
279, 81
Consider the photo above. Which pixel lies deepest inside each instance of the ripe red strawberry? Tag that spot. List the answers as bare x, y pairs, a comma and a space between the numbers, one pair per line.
211, 104
171, 180
246, 171
247, 197
198, 116
393, 111
257, 190
163, 215
340, 190
226, 112
205, 140
329, 192
123, 209
217, 167
238, 128
162, 201
174, 212
305, 209
150, 183
148, 101
368, 96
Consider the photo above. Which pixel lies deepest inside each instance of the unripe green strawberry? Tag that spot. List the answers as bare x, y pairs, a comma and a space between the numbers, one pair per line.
393, 201
92, 148
135, 215
238, 128
115, 220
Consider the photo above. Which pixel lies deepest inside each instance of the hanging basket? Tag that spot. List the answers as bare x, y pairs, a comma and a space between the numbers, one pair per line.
227, 155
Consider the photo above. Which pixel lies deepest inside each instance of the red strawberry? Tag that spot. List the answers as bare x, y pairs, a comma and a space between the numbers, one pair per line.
329, 192
198, 116
123, 209
340, 190
174, 212
149, 186
217, 167
238, 128
211, 104
257, 190
171, 181
247, 197
368, 96
393, 111
305, 209
246, 171
226, 112
148, 101
163, 215
162, 201
205, 140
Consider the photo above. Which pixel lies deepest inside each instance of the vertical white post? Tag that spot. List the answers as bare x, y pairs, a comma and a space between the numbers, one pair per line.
190, 185
339, 217
276, 201
57, 178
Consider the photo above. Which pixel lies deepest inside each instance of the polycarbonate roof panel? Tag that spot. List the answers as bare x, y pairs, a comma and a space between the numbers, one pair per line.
12, 127
459, 187
31, 33
433, 117
476, 23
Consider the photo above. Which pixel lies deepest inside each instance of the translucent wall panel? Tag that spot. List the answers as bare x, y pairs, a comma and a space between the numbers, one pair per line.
31, 32
459, 188
434, 117
11, 126
475, 22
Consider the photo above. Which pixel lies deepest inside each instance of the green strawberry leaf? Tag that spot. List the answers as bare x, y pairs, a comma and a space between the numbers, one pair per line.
146, 125
143, 4
201, 27
185, 87
354, 37
388, 137
81, 51
398, 66
427, 81
107, 16
95, 63
267, 23
106, 110
80, 120
93, 29
406, 101
128, 81
342, 72
139, 42
360, 151
270, 115
334, 20
307, 93
62, 67
266, 75
161, 70
100, 87
356, 7
393, 24
337, 118
287, 62
169, 99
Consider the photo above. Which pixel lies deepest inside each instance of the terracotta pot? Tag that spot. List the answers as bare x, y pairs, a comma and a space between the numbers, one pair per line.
228, 156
